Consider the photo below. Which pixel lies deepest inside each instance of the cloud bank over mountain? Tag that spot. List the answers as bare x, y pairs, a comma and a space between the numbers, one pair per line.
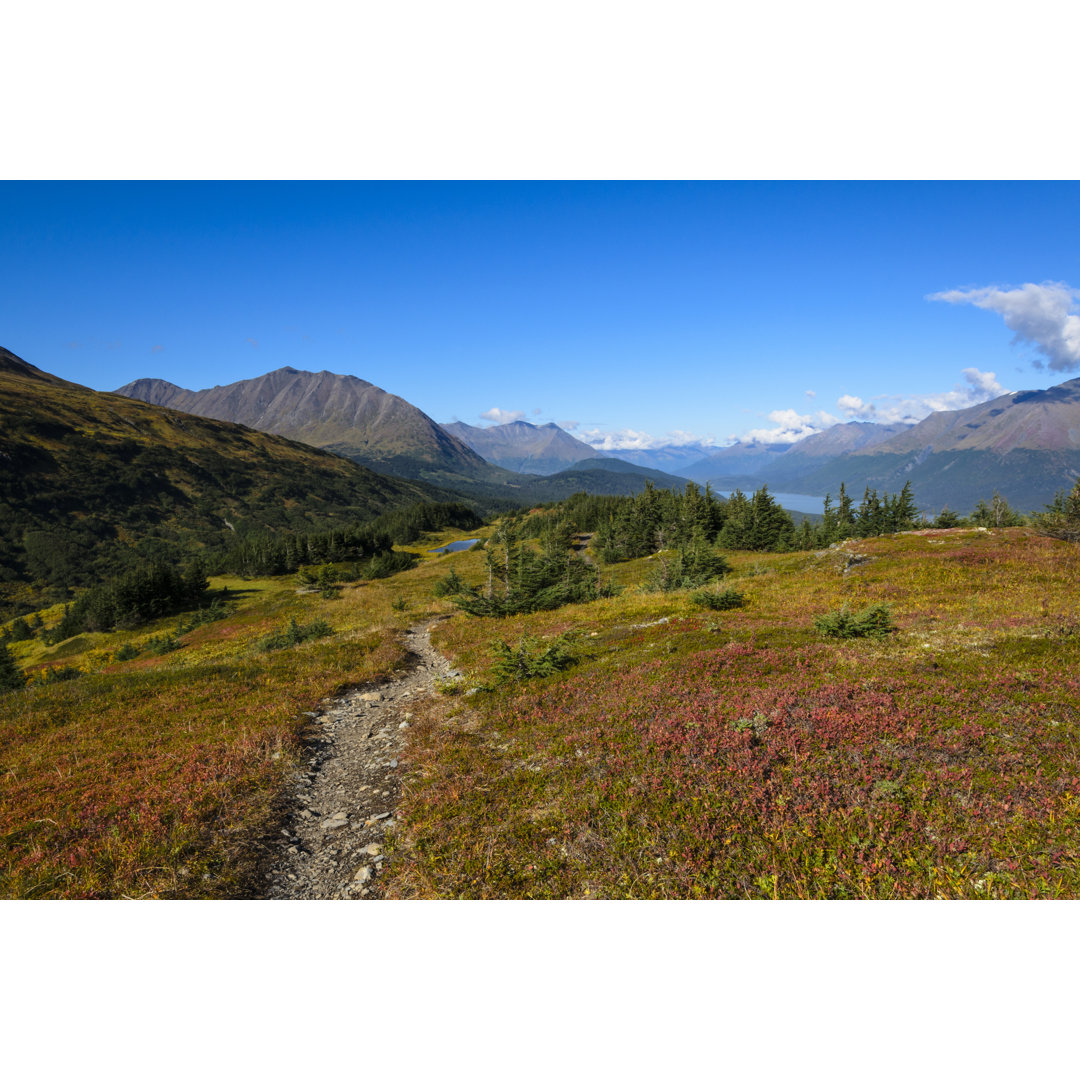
890, 408
1045, 316
788, 425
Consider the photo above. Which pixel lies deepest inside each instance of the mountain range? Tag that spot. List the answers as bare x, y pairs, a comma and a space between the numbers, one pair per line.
523, 447
367, 425
783, 463
1025, 445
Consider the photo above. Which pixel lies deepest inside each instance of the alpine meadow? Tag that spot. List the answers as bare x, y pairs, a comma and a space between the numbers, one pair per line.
291, 637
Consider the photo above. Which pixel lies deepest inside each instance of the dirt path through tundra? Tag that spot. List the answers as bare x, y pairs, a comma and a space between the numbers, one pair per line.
344, 799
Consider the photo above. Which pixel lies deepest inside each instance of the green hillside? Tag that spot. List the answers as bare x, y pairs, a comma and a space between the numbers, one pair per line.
93, 482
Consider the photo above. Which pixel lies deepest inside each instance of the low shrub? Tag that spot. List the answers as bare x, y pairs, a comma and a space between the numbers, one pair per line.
688, 569
161, 644
324, 578
873, 621
531, 659
451, 585
718, 601
59, 674
214, 613
294, 634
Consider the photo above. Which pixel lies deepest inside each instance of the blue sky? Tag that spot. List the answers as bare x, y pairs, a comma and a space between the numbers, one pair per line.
627, 311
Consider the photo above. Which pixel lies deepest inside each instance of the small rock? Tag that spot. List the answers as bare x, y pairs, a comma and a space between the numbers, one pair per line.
373, 849
374, 696
378, 817
333, 823
472, 690
408, 716
363, 874
393, 764
403, 725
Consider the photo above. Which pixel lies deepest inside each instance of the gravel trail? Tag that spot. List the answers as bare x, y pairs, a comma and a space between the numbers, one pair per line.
344, 799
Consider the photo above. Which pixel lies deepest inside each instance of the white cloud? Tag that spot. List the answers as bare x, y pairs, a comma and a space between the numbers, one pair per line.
789, 426
855, 406
502, 416
629, 439
810, 393
1044, 315
569, 425
890, 408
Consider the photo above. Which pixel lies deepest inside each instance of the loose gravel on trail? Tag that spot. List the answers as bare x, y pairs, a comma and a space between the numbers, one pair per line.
344, 799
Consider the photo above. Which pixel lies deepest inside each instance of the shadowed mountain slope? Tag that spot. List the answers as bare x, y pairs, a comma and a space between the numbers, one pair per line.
91, 482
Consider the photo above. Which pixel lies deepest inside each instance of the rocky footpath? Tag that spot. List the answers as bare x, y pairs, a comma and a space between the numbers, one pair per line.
343, 802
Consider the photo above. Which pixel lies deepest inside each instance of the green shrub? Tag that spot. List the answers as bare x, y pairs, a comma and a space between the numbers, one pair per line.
59, 674
161, 644
451, 585
874, 621
127, 652
216, 611
387, 564
695, 566
718, 601
294, 634
531, 659
323, 577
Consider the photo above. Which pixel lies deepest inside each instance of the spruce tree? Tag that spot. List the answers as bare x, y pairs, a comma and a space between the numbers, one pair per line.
11, 678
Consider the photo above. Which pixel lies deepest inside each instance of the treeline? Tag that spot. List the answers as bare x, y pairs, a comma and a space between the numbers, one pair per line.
411, 522
160, 587
368, 545
631, 527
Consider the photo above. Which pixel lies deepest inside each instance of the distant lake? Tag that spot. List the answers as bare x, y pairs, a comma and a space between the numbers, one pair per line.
457, 545
808, 504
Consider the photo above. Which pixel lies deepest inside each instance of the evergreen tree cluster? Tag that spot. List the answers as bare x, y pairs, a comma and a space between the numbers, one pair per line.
690, 520
524, 577
266, 554
874, 516
1061, 518
134, 598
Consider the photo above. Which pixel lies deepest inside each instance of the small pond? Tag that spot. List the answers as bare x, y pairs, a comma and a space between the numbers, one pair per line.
457, 545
